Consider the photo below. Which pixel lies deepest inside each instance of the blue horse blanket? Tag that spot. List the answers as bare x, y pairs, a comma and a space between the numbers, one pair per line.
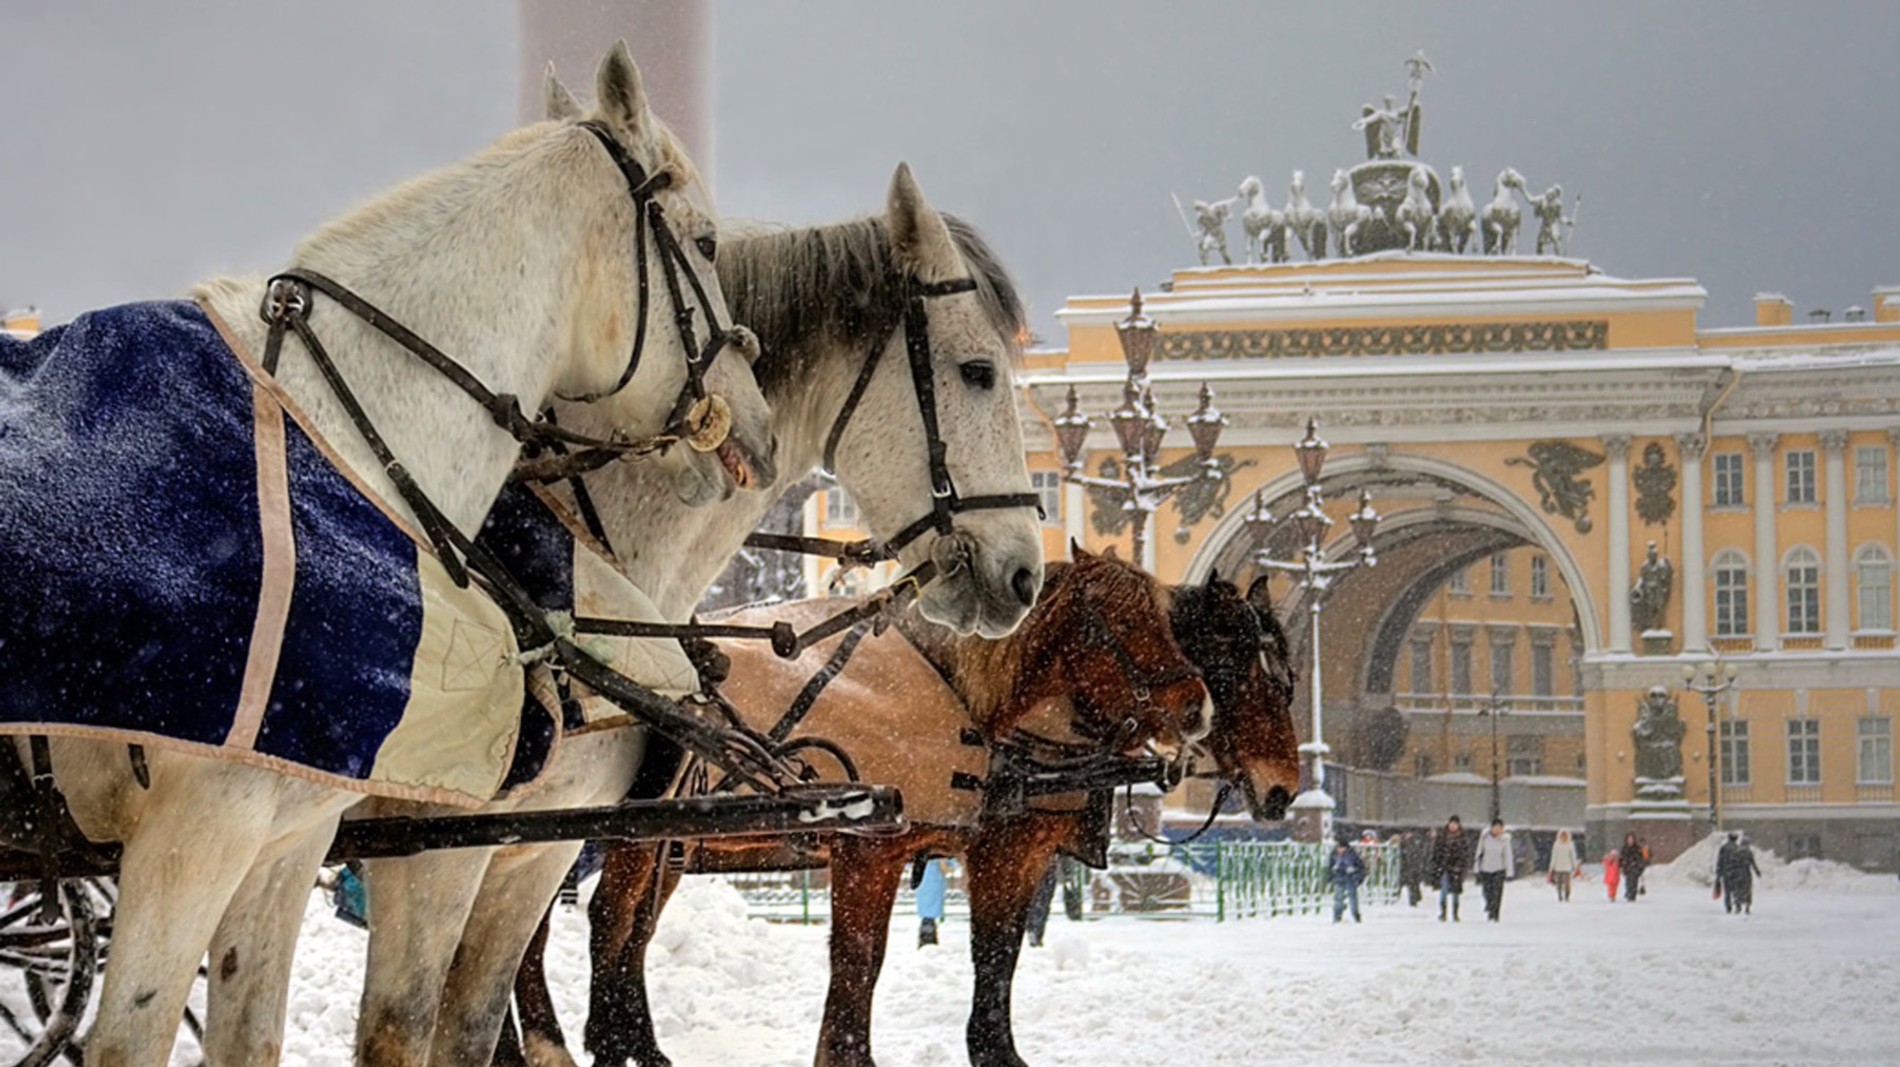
183, 563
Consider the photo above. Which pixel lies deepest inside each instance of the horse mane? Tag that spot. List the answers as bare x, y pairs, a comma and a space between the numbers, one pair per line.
804, 291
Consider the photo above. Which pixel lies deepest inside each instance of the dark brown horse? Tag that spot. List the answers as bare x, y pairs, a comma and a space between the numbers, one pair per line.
1241, 653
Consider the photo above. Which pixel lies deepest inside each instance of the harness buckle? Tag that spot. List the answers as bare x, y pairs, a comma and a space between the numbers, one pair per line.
286, 299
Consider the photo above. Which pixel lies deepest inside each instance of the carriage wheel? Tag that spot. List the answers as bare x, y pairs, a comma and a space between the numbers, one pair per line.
55, 963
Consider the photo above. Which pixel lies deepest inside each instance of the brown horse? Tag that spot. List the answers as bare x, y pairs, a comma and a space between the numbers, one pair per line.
1241, 651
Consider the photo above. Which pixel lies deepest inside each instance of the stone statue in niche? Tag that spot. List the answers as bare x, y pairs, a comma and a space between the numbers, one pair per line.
1649, 597
1655, 486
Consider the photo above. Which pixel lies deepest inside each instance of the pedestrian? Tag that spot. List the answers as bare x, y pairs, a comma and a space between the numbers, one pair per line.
1039, 905
1450, 860
1414, 858
1735, 871
927, 878
1612, 871
1631, 860
1494, 861
1345, 870
1564, 863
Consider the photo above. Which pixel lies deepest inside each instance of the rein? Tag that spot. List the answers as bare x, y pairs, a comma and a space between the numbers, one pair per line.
1213, 812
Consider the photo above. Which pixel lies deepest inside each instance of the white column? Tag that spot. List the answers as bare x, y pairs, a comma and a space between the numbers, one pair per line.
1695, 598
1767, 599
1075, 513
1618, 448
1834, 567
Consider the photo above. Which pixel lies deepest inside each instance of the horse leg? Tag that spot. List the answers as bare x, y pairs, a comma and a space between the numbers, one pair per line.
252, 952
533, 1003
417, 908
1004, 867
864, 877
634, 887
520, 884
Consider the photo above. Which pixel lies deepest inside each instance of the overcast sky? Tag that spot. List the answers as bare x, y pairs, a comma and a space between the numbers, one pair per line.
1750, 146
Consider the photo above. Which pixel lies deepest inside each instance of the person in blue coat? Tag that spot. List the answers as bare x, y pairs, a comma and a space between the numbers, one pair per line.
1345, 870
929, 883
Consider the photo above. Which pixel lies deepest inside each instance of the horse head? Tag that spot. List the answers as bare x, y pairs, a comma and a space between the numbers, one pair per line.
646, 267
1243, 654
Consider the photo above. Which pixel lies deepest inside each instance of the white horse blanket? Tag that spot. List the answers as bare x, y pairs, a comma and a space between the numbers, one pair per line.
184, 562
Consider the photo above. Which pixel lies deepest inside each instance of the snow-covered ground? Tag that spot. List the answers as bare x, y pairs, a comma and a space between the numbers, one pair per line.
1812, 977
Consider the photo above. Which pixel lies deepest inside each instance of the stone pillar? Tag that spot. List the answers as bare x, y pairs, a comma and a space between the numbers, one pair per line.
1767, 599
1834, 568
1618, 502
1695, 598
1075, 513
671, 40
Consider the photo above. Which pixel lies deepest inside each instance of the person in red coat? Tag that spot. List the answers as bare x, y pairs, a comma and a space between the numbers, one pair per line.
1612, 872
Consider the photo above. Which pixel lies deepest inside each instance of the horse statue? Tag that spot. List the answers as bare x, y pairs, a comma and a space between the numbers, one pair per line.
1346, 214
1457, 217
1265, 226
1415, 213
1242, 656
1502, 215
1307, 222
341, 460
830, 305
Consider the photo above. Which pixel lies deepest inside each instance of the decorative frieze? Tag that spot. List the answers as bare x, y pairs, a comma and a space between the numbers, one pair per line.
1436, 339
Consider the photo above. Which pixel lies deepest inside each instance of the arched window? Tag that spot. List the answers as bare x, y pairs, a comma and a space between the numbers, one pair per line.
1803, 570
1731, 593
1873, 579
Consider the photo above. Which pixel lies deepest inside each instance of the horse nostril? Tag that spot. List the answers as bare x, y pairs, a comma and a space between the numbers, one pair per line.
1278, 800
1026, 586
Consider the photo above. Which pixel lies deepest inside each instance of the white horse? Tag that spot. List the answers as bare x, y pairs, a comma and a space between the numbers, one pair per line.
520, 263
1307, 222
1457, 217
1503, 215
1265, 226
1346, 214
447, 930
1415, 212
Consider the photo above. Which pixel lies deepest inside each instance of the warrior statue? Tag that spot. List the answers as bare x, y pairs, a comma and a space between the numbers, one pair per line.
1658, 737
1650, 595
1211, 220
1390, 128
1552, 224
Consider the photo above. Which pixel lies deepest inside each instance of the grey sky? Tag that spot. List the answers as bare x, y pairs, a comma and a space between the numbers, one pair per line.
1746, 145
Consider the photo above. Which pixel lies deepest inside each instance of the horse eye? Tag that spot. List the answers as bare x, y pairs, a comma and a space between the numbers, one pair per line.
980, 373
708, 246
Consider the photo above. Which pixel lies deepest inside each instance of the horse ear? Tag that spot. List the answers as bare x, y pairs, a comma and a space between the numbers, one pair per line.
1259, 597
558, 101
1078, 553
1111, 553
1213, 575
918, 233
621, 96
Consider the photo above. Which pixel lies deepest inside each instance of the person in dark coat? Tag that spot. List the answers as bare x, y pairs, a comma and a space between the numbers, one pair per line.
1345, 870
1631, 860
1735, 871
1415, 856
1451, 861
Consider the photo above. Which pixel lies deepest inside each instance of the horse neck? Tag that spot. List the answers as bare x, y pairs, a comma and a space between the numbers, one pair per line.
481, 264
674, 552
1002, 680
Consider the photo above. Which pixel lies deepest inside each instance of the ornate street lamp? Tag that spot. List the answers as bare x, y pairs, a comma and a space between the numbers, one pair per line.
1494, 710
1311, 523
1140, 431
1720, 679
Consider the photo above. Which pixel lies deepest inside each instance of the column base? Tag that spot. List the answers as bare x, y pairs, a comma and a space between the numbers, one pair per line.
1312, 817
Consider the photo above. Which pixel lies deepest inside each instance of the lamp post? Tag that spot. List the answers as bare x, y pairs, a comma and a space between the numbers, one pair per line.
1720, 679
1139, 430
1313, 808
1494, 710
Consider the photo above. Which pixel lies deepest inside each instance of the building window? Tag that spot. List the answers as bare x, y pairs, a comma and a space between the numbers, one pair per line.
1048, 488
1804, 592
1728, 479
1422, 765
1500, 575
1540, 578
1804, 752
1731, 594
1461, 761
1873, 573
1734, 754
1876, 751
1543, 670
1870, 475
1421, 666
1501, 668
1459, 583
1800, 467
1461, 668
1524, 755
840, 509
1804, 846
